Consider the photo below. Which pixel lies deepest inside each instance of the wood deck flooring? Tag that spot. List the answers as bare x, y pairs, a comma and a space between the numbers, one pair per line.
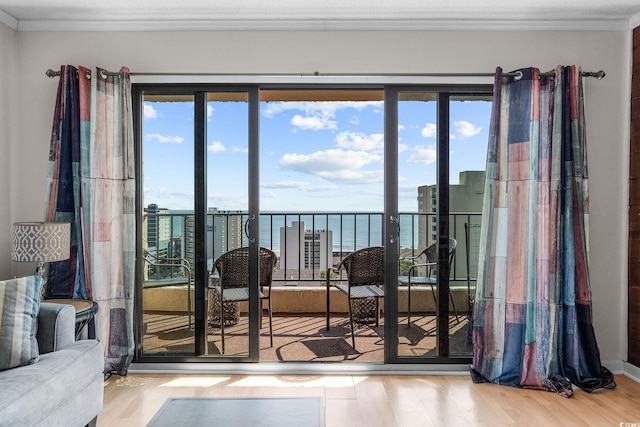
305, 338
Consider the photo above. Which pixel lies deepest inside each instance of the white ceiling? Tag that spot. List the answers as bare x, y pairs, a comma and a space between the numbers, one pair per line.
318, 14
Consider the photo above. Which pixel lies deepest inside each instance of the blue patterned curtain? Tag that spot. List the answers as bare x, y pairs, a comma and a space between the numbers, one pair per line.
91, 184
532, 317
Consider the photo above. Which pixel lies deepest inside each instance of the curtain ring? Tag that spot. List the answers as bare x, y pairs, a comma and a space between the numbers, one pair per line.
103, 75
518, 75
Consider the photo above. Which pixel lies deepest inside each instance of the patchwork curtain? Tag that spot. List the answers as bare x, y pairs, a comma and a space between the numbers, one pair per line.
532, 316
91, 184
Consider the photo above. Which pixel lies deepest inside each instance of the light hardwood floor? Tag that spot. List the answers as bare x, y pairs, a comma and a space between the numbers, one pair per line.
385, 401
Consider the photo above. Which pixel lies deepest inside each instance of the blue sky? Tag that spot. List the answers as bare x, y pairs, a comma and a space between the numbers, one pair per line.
314, 156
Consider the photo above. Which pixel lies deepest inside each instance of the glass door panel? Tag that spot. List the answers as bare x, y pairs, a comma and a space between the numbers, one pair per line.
417, 216
167, 224
470, 116
440, 227
227, 242
322, 198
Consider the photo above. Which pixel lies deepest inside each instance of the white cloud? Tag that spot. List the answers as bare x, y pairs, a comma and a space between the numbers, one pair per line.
316, 115
328, 161
316, 108
298, 185
402, 147
229, 201
237, 149
216, 147
423, 155
354, 120
210, 111
284, 184
165, 193
268, 194
164, 139
348, 176
400, 128
429, 130
150, 112
466, 129
314, 122
317, 188
335, 165
360, 141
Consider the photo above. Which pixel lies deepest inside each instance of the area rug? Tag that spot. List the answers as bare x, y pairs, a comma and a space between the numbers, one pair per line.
281, 412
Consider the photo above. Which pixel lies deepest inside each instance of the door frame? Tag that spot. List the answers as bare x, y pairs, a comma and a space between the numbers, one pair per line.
201, 276
390, 222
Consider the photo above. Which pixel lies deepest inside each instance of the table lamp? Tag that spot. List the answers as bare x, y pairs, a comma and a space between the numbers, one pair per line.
41, 242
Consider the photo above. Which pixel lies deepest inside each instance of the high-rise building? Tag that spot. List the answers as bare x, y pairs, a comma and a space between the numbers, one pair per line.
304, 249
188, 237
224, 231
158, 230
465, 197
152, 225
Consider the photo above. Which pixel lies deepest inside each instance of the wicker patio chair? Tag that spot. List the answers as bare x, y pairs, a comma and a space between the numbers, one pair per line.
430, 278
365, 280
233, 269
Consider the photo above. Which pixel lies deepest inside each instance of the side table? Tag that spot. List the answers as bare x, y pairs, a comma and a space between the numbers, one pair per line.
85, 311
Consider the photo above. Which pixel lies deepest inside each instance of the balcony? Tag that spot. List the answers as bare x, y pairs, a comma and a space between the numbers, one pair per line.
305, 243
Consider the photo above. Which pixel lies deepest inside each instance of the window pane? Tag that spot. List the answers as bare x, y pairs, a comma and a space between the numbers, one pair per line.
469, 123
470, 119
167, 162
227, 212
321, 196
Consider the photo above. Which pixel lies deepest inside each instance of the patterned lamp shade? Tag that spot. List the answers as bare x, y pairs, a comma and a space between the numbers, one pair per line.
41, 241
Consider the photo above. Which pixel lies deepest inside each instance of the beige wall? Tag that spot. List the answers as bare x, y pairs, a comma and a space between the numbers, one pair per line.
354, 52
8, 142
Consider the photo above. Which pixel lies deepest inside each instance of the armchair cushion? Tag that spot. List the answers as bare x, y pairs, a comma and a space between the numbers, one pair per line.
19, 306
56, 326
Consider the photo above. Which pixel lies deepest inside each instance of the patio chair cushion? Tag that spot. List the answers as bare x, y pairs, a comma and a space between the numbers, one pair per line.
364, 291
235, 294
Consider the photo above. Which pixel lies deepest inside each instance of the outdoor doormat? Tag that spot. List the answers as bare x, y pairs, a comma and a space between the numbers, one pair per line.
281, 412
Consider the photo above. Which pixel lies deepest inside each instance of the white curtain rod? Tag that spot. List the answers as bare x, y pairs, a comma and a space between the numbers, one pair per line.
518, 74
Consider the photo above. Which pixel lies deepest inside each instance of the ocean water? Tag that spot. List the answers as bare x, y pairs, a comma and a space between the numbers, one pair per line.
349, 231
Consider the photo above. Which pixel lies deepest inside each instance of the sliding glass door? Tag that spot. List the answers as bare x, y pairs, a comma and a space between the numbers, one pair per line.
339, 169
439, 135
198, 152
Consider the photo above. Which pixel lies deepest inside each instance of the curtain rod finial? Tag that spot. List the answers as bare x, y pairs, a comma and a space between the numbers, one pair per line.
51, 74
599, 75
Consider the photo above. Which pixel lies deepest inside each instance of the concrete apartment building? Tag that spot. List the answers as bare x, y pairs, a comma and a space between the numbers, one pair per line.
466, 197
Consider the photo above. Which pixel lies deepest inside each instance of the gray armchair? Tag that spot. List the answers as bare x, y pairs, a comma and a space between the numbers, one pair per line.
65, 387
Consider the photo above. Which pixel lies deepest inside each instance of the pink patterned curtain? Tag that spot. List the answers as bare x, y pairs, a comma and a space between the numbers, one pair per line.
92, 185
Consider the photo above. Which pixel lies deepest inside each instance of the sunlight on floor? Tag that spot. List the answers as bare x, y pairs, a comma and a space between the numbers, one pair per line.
286, 381
190, 381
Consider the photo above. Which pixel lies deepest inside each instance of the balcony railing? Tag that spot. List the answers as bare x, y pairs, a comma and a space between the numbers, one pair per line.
306, 243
